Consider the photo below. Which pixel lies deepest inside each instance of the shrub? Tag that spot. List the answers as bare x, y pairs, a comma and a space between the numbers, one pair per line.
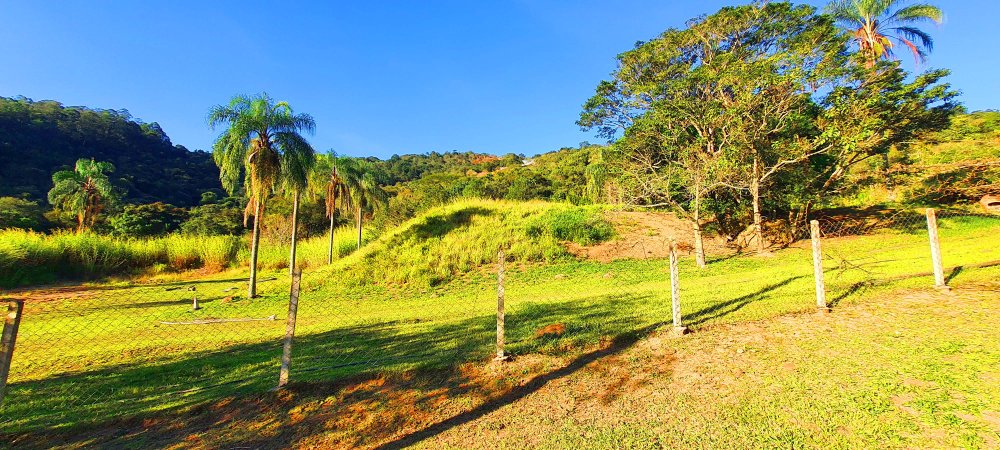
584, 226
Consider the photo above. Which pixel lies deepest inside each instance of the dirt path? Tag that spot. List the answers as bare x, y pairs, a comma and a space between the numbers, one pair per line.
915, 370
646, 235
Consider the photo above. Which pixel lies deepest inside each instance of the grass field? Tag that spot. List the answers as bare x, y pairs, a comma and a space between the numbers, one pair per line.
89, 354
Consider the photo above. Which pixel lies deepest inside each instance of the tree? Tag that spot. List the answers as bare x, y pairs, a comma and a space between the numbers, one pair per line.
875, 24
730, 91
334, 175
20, 213
85, 191
260, 150
215, 218
366, 193
150, 219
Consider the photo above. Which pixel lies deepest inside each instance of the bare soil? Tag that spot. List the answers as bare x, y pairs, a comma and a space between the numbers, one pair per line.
640, 235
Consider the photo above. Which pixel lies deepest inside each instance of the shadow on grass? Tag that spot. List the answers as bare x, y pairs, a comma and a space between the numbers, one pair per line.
74, 401
437, 226
163, 402
727, 307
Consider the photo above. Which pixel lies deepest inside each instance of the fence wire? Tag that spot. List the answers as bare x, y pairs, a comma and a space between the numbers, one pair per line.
90, 354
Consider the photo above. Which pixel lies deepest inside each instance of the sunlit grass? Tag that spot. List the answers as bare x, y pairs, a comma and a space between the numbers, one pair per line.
107, 351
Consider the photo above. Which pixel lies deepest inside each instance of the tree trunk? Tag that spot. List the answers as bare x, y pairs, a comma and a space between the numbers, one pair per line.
254, 245
755, 192
79, 221
295, 232
329, 254
359, 228
699, 245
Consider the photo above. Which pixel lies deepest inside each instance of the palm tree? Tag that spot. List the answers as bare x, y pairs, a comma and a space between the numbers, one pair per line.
875, 24
367, 193
334, 175
85, 191
295, 178
260, 148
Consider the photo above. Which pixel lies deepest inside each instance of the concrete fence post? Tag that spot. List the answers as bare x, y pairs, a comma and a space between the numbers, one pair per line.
932, 232
501, 313
675, 291
10, 325
817, 250
293, 309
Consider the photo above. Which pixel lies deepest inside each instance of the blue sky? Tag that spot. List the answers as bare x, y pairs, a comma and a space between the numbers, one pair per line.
381, 77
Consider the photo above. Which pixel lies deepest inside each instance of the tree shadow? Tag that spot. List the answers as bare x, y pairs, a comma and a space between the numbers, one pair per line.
727, 307
437, 226
73, 402
618, 344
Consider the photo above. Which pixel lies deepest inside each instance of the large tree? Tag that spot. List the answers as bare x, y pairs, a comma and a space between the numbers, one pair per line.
730, 91
261, 149
85, 191
875, 24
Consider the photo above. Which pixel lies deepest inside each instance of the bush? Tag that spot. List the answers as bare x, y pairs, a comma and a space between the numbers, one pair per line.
584, 226
153, 219
215, 219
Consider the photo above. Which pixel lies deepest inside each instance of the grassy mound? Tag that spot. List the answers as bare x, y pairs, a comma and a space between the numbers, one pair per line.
449, 241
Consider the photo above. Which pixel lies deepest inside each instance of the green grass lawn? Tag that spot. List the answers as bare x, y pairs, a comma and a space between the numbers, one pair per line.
102, 352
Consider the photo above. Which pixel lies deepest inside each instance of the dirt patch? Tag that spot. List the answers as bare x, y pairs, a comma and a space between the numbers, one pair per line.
640, 235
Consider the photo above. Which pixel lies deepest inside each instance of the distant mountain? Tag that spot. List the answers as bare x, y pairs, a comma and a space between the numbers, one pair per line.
38, 138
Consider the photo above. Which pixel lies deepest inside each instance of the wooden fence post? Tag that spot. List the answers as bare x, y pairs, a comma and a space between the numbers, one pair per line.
501, 315
293, 309
10, 326
675, 291
821, 305
932, 232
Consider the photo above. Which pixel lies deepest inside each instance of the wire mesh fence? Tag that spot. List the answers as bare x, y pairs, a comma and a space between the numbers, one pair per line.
96, 353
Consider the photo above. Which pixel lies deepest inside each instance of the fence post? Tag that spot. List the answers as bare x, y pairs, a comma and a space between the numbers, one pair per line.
10, 326
675, 291
501, 316
932, 232
293, 309
821, 305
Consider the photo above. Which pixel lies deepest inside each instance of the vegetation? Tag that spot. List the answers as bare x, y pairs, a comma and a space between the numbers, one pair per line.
84, 191
760, 104
875, 24
43, 137
261, 150
434, 327
30, 258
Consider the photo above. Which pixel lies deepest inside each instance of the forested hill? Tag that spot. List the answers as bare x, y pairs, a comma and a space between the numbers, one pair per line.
38, 138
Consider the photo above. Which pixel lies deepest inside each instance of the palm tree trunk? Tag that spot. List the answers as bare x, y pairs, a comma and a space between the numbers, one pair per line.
295, 232
79, 221
359, 228
329, 254
254, 245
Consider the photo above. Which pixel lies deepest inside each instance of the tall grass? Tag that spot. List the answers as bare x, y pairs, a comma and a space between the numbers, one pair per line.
30, 258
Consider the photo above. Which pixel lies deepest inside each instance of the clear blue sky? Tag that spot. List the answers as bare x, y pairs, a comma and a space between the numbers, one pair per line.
381, 77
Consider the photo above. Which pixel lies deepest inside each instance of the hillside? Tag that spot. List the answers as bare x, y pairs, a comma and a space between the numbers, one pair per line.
38, 138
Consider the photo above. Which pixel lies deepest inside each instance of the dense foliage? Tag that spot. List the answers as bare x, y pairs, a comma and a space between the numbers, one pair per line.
40, 138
